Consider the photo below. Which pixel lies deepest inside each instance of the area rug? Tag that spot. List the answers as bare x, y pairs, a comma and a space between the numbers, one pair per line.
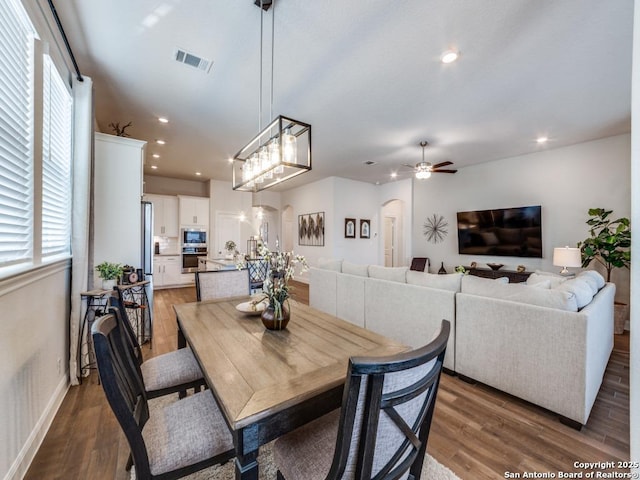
432, 469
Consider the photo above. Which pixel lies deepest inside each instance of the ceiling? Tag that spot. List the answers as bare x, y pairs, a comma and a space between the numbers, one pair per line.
366, 74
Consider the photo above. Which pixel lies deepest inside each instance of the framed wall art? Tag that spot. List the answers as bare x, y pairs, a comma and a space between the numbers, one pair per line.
365, 227
311, 229
349, 228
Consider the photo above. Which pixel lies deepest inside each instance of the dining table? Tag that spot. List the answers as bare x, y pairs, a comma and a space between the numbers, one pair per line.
269, 382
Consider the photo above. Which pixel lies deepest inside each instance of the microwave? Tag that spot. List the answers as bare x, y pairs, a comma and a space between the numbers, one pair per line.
193, 237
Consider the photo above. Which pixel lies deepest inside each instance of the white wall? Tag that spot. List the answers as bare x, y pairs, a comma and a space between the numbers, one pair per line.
565, 181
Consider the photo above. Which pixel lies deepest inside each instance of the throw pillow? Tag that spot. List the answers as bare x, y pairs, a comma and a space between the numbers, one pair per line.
354, 269
599, 279
480, 286
393, 274
330, 264
579, 288
449, 281
537, 277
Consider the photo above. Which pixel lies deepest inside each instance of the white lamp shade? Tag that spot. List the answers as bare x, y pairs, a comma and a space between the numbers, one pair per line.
567, 257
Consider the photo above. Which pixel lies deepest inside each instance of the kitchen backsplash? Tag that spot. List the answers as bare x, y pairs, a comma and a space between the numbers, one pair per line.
167, 245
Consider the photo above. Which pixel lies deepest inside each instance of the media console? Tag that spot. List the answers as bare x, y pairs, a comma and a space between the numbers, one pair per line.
512, 275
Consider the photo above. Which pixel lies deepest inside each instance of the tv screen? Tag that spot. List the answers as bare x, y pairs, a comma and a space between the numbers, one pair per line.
510, 232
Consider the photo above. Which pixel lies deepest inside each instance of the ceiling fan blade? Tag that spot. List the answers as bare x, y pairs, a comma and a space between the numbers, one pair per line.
412, 167
444, 171
443, 164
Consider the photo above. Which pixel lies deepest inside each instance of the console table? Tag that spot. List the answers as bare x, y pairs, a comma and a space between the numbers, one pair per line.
512, 275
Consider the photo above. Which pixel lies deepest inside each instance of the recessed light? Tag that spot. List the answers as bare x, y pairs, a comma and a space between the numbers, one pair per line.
449, 56
198, 174
154, 167
394, 174
542, 139
155, 155
163, 120
231, 160
160, 142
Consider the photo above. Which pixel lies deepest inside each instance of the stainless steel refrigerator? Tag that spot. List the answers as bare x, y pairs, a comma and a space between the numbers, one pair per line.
147, 251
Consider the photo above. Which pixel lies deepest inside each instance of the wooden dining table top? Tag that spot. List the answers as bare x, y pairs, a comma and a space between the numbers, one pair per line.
256, 373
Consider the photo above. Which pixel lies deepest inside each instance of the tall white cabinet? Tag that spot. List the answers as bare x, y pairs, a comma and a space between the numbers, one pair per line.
165, 214
117, 196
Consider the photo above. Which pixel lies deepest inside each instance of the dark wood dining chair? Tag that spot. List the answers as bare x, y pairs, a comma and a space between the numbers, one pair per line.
381, 431
420, 264
258, 270
171, 372
184, 437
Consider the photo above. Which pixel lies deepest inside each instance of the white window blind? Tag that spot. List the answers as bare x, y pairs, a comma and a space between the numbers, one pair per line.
56, 162
16, 122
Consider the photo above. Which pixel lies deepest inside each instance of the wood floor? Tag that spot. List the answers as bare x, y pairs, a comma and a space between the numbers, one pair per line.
477, 431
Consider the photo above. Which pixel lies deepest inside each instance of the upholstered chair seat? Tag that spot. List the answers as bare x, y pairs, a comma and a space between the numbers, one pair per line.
186, 432
170, 369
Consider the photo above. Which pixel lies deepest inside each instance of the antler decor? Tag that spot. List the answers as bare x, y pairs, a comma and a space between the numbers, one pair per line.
120, 131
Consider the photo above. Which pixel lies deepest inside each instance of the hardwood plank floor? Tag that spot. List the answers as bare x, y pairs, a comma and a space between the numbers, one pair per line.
477, 431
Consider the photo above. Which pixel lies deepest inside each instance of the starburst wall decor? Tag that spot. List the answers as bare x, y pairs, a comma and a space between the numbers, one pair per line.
435, 228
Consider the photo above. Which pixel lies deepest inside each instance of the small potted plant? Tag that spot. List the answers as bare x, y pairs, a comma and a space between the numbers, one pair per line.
230, 247
609, 245
109, 273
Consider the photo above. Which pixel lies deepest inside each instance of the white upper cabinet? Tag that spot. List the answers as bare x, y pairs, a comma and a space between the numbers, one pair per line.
165, 215
194, 211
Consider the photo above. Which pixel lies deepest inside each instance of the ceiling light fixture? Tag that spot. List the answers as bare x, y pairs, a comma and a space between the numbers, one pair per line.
163, 120
449, 56
423, 169
542, 139
394, 174
160, 142
198, 174
155, 155
154, 167
280, 151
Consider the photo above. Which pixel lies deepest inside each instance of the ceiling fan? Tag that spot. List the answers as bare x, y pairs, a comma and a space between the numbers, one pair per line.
424, 169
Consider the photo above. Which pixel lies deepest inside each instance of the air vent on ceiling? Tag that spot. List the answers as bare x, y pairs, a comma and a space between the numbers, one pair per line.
193, 60
369, 162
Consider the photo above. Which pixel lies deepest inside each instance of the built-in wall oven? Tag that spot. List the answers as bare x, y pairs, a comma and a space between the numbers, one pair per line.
194, 245
190, 256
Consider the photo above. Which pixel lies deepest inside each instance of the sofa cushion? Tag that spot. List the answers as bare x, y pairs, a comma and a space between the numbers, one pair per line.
393, 274
579, 288
599, 279
480, 286
355, 269
330, 264
540, 276
449, 281
523, 293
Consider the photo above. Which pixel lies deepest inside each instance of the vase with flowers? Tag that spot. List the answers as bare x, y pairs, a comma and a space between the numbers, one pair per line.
276, 288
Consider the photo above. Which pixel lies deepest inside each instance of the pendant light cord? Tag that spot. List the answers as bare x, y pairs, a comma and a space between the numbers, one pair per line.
261, 48
273, 47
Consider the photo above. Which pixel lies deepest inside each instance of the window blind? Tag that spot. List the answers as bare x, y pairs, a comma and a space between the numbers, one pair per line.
16, 131
56, 162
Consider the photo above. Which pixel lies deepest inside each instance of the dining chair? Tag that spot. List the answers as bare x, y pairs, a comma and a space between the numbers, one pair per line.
221, 284
420, 264
258, 270
382, 429
184, 437
163, 374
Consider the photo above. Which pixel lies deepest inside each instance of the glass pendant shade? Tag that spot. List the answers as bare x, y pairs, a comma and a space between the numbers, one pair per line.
279, 152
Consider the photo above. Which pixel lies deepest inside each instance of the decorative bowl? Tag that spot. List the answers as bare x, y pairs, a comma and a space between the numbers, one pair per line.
495, 266
252, 307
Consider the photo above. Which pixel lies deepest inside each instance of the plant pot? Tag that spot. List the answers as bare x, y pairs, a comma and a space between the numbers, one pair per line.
620, 317
270, 321
108, 284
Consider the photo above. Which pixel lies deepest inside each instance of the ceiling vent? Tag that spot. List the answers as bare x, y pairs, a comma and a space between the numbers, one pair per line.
193, 60
369, 162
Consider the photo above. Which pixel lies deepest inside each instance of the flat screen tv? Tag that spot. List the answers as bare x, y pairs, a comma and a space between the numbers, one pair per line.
509, 232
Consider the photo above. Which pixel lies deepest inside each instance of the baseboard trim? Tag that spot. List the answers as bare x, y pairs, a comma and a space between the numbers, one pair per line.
28, 452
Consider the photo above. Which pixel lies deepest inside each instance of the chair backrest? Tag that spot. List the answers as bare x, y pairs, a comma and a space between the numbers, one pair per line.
221, 284
387, 407
131, 340
122, 385
419, 264
258, 270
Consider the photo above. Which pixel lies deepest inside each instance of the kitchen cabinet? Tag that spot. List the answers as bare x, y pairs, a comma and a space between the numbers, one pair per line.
165, 215
194, 211
167, 271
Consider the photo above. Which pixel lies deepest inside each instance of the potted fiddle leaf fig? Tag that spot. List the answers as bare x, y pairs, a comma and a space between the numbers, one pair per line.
609, 245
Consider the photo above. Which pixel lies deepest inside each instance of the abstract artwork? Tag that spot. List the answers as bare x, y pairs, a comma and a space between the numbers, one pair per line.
349, 228
435, 228
311, 229
365, 226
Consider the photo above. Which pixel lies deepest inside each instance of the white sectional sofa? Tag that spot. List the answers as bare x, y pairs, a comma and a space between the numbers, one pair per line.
549, 346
